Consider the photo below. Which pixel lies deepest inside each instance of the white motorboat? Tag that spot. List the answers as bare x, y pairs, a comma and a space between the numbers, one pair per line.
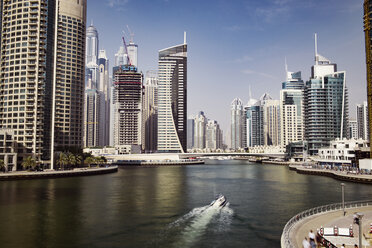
220, 201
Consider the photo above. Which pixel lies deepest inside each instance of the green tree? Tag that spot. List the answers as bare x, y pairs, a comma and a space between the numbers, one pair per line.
62, 160
78, 159
88, 161
71, 159
29, 162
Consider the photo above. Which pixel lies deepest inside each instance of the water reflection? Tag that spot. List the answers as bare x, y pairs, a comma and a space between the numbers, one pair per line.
136, 206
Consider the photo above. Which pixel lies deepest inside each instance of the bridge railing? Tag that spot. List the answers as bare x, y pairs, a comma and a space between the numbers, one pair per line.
286, 242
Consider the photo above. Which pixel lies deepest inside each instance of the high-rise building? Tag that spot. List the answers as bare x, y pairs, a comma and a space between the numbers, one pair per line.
104, 87
291, 109
190, 132
150, 111
121, 57
92, 110
325, 104
94, 100
368, 43
353, 127
200, 124
172, 99
42, 82
92, 45
133, 53
213, 135
247, 122
271, 122
127, 102
237, 124
362, 120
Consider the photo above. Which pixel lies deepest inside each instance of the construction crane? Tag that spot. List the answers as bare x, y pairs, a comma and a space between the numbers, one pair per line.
131, 34
126, 49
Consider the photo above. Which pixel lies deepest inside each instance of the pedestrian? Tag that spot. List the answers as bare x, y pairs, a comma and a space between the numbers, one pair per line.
312, 239
305, 243
355, 246
342, 246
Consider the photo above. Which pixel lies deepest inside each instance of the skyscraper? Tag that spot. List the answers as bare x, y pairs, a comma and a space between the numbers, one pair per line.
190, 132
127, 102
133, 53
325, 104
291, 109
236, 124
362, 121
271, 122
104, 86
247, 122
200, 124
213, 135
42, 82
94, 103
368, 42
121, 57
92, 45
172, 99
150, 111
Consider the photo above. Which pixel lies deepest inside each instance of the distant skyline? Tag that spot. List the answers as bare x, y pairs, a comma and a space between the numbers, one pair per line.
239, 44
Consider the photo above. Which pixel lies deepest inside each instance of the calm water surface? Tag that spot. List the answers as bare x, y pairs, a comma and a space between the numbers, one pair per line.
164, 206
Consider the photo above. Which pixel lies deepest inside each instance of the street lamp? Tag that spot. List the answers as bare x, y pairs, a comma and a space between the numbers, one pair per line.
343, 197
360, 216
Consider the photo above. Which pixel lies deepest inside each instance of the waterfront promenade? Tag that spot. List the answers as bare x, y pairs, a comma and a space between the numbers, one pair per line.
331, 219
341, 175
20, 175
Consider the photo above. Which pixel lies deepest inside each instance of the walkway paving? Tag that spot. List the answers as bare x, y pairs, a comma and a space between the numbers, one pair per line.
331, 219
341, 175
16, 175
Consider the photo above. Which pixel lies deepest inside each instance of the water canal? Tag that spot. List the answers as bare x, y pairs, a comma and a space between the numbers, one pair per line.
164, 206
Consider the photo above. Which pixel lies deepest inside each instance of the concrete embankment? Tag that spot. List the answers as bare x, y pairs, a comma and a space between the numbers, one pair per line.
22, 175
160, 163
275, 162
340, 175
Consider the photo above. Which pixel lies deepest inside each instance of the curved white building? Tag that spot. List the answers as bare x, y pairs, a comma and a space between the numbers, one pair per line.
172, 99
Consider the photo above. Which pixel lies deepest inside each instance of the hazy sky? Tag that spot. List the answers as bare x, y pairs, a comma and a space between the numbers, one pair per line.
237, 44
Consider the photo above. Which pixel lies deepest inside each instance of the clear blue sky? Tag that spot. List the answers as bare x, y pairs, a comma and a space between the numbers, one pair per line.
236, 44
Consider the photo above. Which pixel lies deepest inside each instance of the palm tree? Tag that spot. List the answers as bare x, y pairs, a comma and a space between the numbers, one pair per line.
62, 160
98, 161
89, 161
71, 159
78, 159
29, 162
2, 165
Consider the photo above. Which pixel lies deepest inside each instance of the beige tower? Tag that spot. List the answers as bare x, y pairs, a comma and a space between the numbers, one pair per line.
42, 75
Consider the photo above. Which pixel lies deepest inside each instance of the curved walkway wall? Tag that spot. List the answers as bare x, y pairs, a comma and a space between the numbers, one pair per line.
285, 240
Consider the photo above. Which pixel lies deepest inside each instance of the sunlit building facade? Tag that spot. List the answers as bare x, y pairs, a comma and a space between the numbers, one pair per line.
172, 99
42, 82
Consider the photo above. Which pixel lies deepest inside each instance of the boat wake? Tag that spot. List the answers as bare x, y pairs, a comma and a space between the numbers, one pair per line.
216, 217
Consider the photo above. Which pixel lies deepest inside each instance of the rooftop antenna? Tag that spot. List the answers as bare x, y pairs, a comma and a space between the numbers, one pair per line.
131, 34
316, 48
184, 37
91, 22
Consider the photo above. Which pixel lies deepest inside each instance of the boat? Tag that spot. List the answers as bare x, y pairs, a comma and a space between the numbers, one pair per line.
219, 202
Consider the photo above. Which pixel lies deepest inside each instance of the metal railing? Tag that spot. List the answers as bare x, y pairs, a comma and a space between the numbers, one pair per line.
285, 239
